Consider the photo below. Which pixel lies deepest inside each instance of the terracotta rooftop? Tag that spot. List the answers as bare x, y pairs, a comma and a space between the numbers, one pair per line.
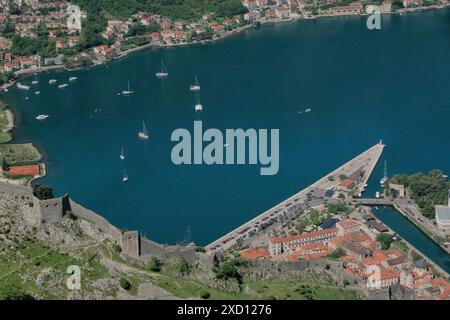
254, 253
304, 235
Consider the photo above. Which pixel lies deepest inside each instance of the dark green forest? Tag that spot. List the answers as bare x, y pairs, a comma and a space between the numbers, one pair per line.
173, 9
427, 190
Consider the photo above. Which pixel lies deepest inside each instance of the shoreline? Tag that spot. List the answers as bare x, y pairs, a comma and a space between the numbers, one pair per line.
255, 24
229, 34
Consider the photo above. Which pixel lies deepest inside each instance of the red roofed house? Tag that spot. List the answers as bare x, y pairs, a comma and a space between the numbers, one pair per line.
279, 245
347, 183
255, 254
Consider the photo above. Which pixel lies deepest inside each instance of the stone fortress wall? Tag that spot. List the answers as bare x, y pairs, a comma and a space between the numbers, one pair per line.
41, 212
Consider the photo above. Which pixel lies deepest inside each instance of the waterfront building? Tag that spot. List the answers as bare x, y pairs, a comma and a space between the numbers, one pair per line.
352, 8
443, 217
411, 3
386, 6
283, 12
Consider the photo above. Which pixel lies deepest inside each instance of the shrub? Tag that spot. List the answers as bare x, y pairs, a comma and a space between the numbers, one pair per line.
125, 284
155, 264
204, 294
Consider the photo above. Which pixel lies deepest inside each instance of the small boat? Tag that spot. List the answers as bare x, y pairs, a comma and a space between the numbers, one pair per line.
125, 176
62, 86
22, 86
198, 107
377, 195
444, 176
196, 86
305, 111
42, 117
122, 155
163, 73
127, 92
37, 93
52, 81
35, 81
143, 134
120, 56
72, 79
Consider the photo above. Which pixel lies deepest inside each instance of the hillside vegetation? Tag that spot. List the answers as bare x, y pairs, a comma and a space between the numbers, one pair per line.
428, 190
174, 9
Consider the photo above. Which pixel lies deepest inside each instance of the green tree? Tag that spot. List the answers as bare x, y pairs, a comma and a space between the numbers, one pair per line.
228, 270
10, 291
184, 267
125, 284
386, 240
43, 192
155, 264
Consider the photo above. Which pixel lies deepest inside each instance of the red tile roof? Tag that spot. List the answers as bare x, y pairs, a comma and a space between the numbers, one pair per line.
304, 235
254, 254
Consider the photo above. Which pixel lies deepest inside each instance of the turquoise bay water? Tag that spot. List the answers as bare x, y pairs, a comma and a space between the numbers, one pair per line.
415, 236
361, 85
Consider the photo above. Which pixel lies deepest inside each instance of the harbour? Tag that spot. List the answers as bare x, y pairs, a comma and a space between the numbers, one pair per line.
74, 136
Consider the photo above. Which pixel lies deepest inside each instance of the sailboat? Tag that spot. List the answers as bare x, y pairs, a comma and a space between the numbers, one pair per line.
143, 134
127, 92
198, 107
385, 177
35, 81
163, 73
196, 86
122, 155
125, 176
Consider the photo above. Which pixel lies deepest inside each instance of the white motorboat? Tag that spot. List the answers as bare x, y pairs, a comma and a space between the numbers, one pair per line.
22, 86
42, 117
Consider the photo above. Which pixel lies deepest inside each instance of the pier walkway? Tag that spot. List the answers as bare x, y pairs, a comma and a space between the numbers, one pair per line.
360, 167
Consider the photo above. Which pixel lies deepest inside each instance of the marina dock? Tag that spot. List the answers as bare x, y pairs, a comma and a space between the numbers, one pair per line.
357, 170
